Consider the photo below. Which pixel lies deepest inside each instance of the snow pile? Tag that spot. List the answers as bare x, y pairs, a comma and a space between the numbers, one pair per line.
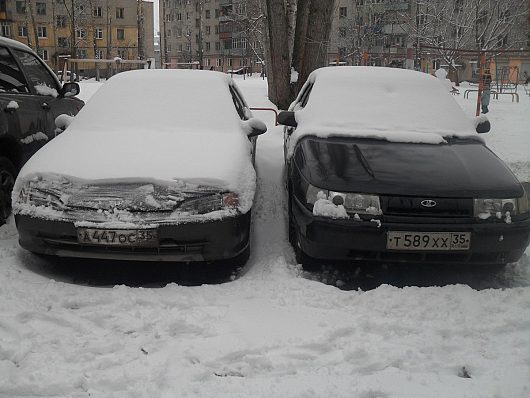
154, 125
326, 208
12, 105
383, 103
43, 89
63, 121
38, 136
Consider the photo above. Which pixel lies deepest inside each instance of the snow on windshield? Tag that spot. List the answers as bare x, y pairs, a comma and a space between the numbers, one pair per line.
161, 100
391, 104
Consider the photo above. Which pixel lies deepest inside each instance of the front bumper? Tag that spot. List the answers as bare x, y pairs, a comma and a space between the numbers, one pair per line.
329, 239
187, 242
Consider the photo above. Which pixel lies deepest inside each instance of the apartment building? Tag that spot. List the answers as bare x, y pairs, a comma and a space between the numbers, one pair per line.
87, 29
209, 34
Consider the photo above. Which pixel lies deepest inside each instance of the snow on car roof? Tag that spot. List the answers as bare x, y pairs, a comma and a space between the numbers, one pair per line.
384, 103
164, 126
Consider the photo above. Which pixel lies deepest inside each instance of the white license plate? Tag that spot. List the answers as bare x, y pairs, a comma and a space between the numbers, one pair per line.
118, 237
398, 240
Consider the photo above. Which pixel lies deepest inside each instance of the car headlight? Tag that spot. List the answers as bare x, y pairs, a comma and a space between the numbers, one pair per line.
358, 203
33, 196
210, 203
500, 208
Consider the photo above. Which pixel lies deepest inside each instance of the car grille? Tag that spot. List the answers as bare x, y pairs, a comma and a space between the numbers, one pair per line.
408, 206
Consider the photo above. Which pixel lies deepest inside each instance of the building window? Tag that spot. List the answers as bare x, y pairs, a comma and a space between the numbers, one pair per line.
62, 42
122, 53
98, 53
208, 29
120, 12
343, 32
216, 29
207, 46
218, 62
42, 31
99, 33
41, 8
21, 7
217, 45
343, 12
81, 53
80, 33
179, 16
207, 62
22, 31
239, 43
5, 29
207, 14
60, 21
230, 62
44, 54
98, 12
216, 13
120, 34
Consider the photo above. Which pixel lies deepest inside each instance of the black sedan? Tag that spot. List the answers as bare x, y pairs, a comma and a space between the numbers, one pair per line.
31, 98
384, 166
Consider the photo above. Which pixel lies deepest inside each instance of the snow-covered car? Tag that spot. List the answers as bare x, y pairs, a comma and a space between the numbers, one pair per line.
31, 98
384, 166
157, 166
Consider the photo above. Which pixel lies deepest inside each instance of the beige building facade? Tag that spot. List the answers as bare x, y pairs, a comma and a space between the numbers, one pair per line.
95, 29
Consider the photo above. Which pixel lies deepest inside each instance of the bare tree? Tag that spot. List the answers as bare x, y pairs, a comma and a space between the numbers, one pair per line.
452, 26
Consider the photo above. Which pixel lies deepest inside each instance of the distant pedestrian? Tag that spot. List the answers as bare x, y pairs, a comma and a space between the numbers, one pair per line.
526, 77
486, 90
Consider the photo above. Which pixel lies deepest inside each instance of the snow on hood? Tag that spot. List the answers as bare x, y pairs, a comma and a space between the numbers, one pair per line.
163, 126
383, 103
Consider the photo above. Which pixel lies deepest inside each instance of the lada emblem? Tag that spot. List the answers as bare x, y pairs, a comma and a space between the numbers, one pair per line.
428, 203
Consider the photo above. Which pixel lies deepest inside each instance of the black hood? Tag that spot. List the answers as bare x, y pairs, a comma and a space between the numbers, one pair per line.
462, 168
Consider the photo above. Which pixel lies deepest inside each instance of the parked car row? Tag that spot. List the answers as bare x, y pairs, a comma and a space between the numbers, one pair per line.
381, 166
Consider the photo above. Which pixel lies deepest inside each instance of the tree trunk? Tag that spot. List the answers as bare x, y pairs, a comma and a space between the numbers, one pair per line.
315, 49
278, 65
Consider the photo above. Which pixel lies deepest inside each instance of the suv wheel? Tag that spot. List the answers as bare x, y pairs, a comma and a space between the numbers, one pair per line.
8, 174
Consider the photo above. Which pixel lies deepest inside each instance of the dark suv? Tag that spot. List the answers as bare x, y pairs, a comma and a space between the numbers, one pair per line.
31, 97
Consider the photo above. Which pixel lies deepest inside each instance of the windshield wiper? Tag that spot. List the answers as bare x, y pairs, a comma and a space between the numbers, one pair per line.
363, 160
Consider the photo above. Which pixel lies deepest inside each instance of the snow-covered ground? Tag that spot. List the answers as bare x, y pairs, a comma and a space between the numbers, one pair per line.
66, 329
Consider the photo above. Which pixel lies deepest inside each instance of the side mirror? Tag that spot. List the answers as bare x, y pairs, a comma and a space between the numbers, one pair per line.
287, 118
255, 127
70, 90
482, 124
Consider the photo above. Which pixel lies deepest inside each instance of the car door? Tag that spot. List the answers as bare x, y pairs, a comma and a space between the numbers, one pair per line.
47, 91
22, 114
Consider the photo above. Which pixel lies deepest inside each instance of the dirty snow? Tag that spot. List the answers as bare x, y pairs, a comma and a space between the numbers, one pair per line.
275, 331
